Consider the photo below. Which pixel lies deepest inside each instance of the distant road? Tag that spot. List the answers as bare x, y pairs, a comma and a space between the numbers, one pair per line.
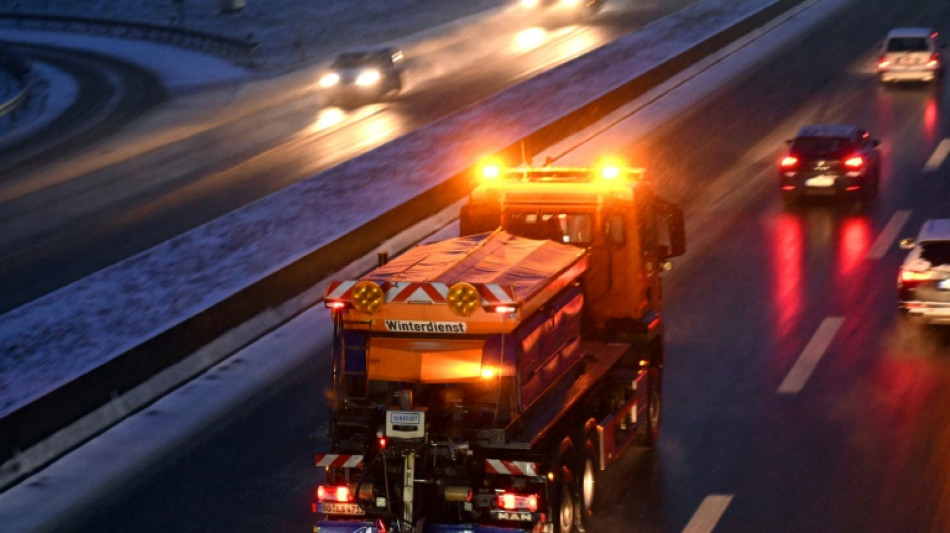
59, 223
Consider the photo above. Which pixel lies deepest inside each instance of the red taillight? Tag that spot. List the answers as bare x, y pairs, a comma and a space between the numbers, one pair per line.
934, 61
518, 502
334, 494
336, 305
884, 62
789, 161
854, 162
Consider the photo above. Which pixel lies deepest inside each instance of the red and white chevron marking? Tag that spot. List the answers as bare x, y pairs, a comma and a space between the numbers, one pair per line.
511, 468
425, 292
331, 459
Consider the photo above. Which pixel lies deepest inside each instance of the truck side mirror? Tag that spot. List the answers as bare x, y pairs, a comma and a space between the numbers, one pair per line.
677, 231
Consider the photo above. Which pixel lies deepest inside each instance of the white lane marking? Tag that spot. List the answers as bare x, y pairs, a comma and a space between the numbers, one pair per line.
888, 234
939, 155
810, 356
705, 518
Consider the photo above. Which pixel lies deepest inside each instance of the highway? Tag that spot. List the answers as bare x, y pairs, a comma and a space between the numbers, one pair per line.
212, 152
794, 398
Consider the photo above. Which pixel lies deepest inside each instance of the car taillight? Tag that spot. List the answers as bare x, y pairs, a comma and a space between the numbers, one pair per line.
934, 61
510, 501
789, 161
327, 493
884, 62
854, 162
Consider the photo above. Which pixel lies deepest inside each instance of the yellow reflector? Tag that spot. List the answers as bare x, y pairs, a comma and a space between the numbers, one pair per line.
463, 299
367, 296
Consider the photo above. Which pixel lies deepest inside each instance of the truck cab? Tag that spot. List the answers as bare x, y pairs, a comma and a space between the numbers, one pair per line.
611, 210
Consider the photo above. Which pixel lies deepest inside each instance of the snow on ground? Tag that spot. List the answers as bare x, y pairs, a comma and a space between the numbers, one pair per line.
290, 32
78, 328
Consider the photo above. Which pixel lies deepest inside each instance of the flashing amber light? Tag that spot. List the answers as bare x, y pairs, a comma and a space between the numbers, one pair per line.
490, 168
463, 299
367, 296
488, 372
854, 162
550, 476
334, 494
518, 502
789, 161
609, 168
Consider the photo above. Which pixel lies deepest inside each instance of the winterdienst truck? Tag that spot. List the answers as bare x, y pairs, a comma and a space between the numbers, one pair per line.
483, 383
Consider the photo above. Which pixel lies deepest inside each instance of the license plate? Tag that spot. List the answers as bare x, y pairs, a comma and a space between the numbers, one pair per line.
820, 181
944, 285
341, 508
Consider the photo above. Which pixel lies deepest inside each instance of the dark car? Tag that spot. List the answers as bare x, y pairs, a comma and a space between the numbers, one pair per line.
361, 76
833, 160
923, 284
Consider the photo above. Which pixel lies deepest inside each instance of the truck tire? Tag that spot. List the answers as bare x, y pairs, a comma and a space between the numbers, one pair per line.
588, 484
566, 516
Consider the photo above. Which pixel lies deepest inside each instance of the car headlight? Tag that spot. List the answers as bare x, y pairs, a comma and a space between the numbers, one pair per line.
329, 80
368, 77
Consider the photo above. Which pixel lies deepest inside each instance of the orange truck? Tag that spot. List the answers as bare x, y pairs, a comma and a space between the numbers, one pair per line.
483, 383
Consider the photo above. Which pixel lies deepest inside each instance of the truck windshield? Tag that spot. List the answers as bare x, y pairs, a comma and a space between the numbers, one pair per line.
567, 228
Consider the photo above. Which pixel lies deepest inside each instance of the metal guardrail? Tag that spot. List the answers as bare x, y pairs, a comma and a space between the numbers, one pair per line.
246, 53
21, 69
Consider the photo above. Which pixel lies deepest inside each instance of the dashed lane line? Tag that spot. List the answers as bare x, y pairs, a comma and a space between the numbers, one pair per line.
813, 352
938, 157
888, 234
705, 518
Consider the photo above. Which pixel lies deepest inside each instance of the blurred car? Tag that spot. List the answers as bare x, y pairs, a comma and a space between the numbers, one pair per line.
364, 75
573, 8
923, 283
835, 160
910, 54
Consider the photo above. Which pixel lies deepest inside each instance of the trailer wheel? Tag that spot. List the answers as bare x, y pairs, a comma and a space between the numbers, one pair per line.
567, 503
650, 431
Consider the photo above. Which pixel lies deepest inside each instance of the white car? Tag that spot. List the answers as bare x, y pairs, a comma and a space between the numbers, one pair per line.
923, 284
910, 54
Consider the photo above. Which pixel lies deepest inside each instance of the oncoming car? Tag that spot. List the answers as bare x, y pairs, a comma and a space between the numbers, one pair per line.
564, 7
364, 75
923, 283
834, 160
910, 54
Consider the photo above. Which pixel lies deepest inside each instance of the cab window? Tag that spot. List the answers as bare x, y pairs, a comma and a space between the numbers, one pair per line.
567, 228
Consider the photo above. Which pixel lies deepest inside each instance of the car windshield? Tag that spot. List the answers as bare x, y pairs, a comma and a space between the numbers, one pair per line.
936, 252
357, 60
907, 44
822, 147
